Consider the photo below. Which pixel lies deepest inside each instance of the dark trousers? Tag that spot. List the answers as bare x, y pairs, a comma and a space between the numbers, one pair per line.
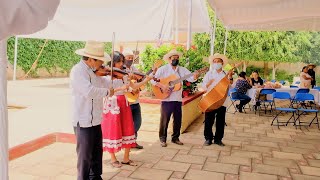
220, 116
89, 150
246, 99
136, 115
167, 109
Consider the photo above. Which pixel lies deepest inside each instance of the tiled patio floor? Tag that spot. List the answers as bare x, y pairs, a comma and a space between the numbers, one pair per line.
254, 150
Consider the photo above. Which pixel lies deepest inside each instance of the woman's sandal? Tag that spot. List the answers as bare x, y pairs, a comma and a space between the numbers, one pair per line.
130, 163
116, 164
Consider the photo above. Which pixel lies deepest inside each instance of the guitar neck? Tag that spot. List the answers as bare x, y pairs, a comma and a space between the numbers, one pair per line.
149, 72
181, 79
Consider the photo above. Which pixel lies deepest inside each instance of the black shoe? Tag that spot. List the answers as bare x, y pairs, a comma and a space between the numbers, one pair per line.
177, 142
139, 146
220, 143
163, 144
207, 143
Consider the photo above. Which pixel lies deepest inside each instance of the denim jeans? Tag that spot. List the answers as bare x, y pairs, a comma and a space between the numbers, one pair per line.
245, 99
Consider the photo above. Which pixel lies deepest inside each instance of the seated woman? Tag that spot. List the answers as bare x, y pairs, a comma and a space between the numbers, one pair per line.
256, 80
305, 78
242, 85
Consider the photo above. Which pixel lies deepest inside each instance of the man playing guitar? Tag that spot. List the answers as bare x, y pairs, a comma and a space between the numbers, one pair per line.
135, 106
173, 103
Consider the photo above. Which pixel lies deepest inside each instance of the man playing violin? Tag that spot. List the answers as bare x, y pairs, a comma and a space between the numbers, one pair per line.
172, 104
210, 80
135, 106
88, 90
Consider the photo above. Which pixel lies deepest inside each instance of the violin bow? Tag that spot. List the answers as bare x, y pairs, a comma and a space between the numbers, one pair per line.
112, 55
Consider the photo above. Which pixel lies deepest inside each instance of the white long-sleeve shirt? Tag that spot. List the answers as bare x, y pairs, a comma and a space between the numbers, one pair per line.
168, 70
213, 74
87, 91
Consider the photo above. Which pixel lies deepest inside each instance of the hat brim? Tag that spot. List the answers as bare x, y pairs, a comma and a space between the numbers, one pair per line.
224, 59
106, 58
167, 56
312, 65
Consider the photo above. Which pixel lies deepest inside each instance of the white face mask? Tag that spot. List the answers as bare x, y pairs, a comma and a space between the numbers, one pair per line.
93, 69
216, 66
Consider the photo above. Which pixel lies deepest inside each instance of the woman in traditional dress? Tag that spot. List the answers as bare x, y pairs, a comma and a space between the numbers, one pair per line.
305, 78
117, 123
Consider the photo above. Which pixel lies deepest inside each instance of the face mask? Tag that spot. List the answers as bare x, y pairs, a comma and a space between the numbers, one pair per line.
93, 69
128, 63
175, 62
217, 66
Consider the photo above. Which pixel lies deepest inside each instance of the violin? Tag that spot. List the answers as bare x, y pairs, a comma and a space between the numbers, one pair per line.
105, 71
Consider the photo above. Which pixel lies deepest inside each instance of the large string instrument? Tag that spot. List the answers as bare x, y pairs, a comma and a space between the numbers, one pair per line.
216, 97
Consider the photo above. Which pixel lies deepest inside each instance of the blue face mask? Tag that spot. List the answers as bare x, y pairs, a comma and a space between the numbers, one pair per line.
216, 66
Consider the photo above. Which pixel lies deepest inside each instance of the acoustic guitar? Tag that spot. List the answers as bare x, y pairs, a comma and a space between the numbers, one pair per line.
216, 97
135, 93
174, 83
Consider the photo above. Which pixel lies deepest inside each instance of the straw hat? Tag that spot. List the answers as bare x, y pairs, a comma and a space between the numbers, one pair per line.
219, 56
312, 65
127, 52
95, 50
173, 52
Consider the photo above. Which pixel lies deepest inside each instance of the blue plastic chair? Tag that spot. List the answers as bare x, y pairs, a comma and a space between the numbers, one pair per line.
300, 91
303, 97
273, 80
283, 96
282, 82
292, 86
317, 88
233, 100
266, 103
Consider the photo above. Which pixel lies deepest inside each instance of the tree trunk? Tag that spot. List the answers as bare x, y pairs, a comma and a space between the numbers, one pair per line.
274, 69
245, 65
265, 73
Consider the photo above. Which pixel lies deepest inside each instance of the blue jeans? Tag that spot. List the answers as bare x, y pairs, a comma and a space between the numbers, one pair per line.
246, 99
136, 115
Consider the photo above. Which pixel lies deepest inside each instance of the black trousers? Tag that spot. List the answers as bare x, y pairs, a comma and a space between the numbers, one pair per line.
136, 115
220, 116
167, 109
89, 151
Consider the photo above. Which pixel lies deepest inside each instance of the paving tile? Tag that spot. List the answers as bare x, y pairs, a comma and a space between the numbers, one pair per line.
172, 166
65, 177
150, 174
178, 175
280, 162
297, 150
147, 157
304, 177
313, 171
200, 175
267, 169
301, 145
281, 136
316, 155
256, 148
285, 155
189, 159
231, 177
221, 167
246, 154
256, 176
15, 175
265, 144
231, 142
196, 166
204, 152
235, 160
314, 163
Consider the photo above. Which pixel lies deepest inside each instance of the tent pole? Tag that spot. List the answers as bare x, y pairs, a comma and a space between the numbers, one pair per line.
225, 42
3, 112
15, 58
213, 33
177, 23
189, 26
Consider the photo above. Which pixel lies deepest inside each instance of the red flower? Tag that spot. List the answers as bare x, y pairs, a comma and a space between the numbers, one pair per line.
185, 93
193, 47
188, 83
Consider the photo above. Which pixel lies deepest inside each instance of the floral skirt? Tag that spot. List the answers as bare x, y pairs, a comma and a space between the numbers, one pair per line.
117, 124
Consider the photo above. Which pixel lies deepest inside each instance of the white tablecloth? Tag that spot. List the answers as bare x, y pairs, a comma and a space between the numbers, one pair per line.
292, 91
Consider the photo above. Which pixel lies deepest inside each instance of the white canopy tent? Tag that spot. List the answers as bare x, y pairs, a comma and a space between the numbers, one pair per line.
138, 20
17, 17
268, 15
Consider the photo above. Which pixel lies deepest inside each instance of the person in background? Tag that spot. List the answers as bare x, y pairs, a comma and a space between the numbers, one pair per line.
312, 73
256, 80
242, 85
305, 78
135, 106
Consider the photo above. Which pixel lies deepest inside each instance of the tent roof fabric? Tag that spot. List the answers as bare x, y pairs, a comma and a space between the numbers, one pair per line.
268, 15
138, 20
